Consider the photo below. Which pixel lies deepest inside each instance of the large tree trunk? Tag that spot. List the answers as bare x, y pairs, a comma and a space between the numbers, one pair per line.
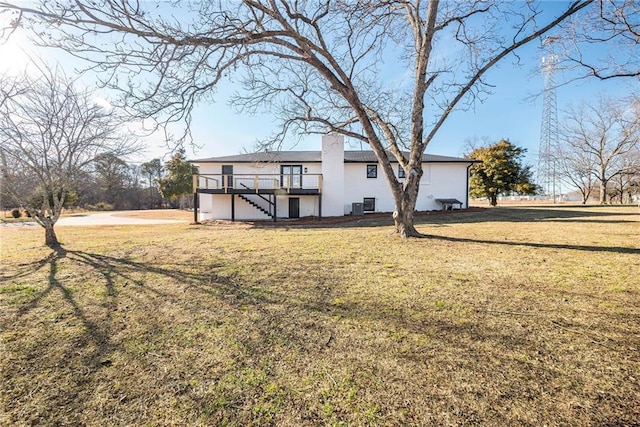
603, 192
50, 238
403, 219
405, 206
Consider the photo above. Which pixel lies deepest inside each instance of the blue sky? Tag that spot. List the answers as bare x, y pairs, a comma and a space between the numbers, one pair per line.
513, 111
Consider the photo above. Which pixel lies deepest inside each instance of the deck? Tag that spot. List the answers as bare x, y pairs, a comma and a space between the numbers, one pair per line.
306, 184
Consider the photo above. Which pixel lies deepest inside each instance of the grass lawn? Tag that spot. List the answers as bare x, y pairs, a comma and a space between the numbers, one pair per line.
506, 316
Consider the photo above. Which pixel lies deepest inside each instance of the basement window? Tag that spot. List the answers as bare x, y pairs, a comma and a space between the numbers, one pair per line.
369, 204
372, 171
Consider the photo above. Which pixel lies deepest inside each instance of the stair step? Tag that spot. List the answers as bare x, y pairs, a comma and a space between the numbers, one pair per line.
255, 205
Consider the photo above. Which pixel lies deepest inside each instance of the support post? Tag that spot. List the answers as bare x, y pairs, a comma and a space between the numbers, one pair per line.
320, 205
233, 208
275, 207
196, 206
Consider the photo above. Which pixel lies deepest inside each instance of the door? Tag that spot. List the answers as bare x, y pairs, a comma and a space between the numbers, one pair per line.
291, 176
294, 207
227, 175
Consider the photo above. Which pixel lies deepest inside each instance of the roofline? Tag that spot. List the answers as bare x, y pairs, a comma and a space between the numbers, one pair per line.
319, 161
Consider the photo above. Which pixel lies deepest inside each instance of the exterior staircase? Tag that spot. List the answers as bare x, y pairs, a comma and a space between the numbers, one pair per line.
257, 206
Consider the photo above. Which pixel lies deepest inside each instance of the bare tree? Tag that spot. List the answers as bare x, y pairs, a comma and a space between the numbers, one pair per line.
577, 168
609, 23
320, 66
153, 170
600, 138
50, 132
626, 183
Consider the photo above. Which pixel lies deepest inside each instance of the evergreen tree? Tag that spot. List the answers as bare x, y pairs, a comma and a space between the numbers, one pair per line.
179, 178
500, 172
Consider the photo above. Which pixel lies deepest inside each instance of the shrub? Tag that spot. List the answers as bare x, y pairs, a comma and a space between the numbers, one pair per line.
16, 213
100, 206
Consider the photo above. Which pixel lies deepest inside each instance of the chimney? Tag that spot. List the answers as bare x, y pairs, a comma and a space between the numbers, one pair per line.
333, 175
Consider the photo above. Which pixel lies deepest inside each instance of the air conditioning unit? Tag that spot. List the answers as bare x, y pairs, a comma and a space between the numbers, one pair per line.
357, 209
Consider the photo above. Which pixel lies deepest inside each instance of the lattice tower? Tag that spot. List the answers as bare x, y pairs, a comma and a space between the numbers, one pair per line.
546, 171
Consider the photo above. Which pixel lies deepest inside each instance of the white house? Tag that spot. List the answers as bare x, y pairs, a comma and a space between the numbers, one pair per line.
332, 182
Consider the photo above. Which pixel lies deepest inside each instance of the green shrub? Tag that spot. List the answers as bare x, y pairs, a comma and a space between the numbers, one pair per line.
16, 213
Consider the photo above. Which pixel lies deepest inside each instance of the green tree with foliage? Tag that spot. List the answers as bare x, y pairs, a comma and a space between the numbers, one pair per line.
179, 178
500, 171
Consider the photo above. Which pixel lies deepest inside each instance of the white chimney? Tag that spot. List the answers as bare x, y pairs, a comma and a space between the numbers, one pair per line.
332, 175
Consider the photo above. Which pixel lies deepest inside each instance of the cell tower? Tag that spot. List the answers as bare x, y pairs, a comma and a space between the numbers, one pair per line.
546, 172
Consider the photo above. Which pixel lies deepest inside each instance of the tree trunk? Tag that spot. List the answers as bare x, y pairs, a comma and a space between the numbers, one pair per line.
493, 200
405, 205
50, 238
403, 219
603, 192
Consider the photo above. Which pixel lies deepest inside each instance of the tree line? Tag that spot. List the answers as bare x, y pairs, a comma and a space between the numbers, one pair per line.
597, 154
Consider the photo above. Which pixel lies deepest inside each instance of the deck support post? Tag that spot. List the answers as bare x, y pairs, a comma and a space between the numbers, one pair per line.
233, 208
320, 205
196, 206
275, 207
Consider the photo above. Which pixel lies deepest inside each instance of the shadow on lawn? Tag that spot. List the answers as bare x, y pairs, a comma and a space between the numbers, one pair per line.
305, 320
578, 214
613, 249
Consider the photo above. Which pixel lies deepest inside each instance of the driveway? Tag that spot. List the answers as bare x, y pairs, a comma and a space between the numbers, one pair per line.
112, 218
104, 218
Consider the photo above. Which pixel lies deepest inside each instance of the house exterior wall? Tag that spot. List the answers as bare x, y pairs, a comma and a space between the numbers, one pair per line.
218, 206
448, 180
333, 173
342, 184
439, 181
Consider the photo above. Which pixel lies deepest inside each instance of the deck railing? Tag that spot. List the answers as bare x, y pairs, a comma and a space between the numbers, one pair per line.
258, 182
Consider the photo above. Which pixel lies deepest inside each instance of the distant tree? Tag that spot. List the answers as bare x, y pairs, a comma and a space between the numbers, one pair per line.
626, 184
153, 170
50, 134
111, 174
179, 178
605, 135
577, 168
500, 172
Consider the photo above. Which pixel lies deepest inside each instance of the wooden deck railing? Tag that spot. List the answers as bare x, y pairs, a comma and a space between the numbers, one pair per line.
257, 182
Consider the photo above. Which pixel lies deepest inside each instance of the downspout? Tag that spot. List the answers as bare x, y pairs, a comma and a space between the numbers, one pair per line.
467, 193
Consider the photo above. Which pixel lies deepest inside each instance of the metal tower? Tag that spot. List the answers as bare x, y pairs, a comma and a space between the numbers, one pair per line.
546, 172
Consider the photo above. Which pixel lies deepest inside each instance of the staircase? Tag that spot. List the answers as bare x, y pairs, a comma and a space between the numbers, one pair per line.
257, 206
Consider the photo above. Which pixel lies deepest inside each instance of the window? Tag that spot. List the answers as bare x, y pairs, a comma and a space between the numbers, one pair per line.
400, 172
291, 176
372, 171
369, 204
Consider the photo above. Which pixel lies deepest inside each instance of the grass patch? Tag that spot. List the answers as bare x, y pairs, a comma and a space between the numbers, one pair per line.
506, 316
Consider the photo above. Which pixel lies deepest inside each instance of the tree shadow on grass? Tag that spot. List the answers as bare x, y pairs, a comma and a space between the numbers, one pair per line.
76, 319
577, 214
613, 249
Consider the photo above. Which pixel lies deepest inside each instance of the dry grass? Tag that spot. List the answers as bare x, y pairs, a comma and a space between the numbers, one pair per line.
508, 316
